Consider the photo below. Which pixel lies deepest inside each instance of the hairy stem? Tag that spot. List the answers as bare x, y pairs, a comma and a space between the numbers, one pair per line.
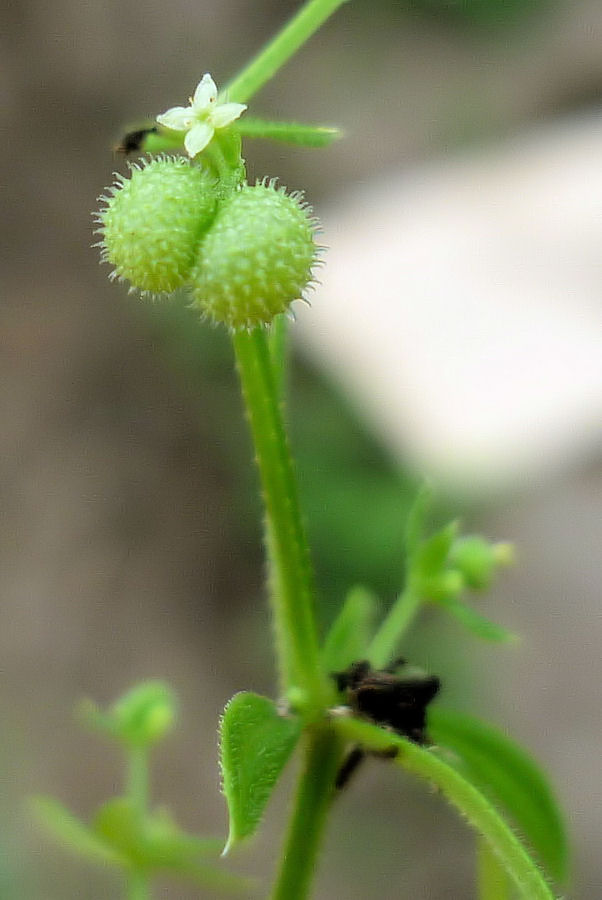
280, 49
313, 799
492, 880
526, 876
291, 577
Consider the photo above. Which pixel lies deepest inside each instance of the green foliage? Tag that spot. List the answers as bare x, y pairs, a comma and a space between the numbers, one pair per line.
432, 576
478, 625
511, 778
254, 250
350, 632
256, 743
464, 794
154, 843
444, 566
477, 560
492, 879
119, 836
140, 718
73, 834
151, 841
124, 832
288, 132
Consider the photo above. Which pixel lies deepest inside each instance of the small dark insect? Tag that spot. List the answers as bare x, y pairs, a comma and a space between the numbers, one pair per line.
386, 699
133, 140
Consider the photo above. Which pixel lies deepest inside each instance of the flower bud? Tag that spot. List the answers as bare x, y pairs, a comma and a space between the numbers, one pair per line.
153, 221
478, 560
145, 714
140, 718
256, 258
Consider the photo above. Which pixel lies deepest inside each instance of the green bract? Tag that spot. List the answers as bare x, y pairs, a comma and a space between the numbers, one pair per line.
153, 221
256, 258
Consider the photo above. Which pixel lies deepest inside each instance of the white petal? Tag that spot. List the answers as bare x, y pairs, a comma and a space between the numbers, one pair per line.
225, 113
197, 138
178, 118
205, 94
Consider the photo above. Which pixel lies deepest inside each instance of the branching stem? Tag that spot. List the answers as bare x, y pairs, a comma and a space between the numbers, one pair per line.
525, 875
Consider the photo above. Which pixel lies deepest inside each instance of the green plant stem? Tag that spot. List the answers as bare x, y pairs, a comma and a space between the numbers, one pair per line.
277, 341
138, 886
313, 799
291, 587
492, 881
280, 49
137, 792
395, 624
138, 778
475, 807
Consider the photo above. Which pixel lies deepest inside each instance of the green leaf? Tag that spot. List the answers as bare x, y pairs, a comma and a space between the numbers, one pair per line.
150, 841
348, 638
417, 517
511, 778
476, 623
477, 808
256, 743
288, 132
154, 842
73, 834
431, 555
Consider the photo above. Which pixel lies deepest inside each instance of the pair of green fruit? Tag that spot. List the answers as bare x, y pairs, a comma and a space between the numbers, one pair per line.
245, 258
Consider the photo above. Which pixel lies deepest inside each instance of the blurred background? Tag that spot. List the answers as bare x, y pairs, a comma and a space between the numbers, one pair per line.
456, 334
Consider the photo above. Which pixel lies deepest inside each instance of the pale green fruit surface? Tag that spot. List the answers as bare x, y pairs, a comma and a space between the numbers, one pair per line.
256, 258
153, 221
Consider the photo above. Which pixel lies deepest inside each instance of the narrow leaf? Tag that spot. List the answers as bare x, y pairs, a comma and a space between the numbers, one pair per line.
512, 778
431, 555
72, 833
348, 638
417, 517
256, 743
155, 842
476, 623
288, 132
395, 624
476, 807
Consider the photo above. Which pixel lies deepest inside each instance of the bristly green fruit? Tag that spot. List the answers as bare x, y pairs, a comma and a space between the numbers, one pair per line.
153, 221
256, 258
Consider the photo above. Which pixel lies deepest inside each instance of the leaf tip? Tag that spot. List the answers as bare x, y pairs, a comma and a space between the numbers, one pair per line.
227, 846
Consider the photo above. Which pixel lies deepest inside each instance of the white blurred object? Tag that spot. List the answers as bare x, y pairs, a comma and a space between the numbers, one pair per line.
461, 307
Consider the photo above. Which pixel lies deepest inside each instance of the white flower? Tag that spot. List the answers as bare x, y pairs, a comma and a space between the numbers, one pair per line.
202, 117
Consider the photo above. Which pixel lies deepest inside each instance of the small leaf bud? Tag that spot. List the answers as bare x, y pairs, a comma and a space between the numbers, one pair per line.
478, 560
447, 584
143, 716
